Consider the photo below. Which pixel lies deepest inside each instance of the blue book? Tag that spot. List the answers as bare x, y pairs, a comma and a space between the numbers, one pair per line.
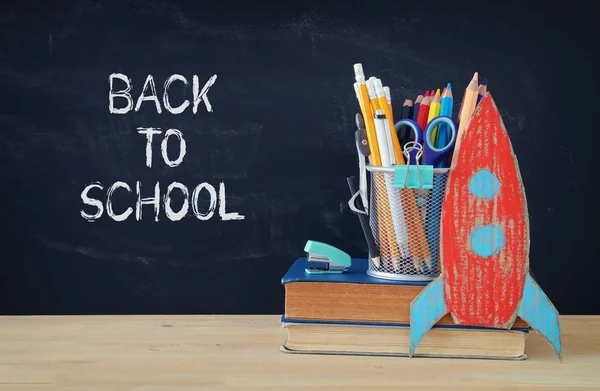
353, 298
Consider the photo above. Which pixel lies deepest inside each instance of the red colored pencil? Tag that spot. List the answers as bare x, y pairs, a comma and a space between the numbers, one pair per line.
424, 111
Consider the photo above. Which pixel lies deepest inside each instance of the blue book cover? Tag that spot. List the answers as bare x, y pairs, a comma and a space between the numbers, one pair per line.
356, 274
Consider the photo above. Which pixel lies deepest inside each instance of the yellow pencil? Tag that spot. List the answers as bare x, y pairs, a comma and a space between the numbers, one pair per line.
387, 110
417, 241
387, 242
383, 209
373, 96
434, 111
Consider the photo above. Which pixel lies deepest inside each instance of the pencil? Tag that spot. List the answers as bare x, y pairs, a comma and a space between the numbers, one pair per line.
434, 111
444, 130
482, 89
373, 98
388, 243
396, 215
416, 244
365, 107
424, 111
388, 94
383, 209
467, 108
417, 104
387, 110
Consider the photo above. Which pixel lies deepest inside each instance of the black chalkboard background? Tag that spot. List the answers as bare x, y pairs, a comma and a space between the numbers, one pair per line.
280, 138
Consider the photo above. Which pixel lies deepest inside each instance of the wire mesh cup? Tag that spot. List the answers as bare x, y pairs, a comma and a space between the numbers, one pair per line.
406, 224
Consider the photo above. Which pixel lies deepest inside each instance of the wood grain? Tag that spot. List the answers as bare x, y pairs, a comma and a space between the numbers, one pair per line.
184, 353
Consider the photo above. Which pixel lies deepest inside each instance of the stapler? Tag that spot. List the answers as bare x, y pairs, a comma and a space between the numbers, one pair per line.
324, 258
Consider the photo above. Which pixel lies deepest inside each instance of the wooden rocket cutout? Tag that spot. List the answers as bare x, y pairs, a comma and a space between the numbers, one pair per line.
484, 241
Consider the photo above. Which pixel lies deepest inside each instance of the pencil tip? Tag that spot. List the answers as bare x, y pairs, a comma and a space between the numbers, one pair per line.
426, 93
437, 93
484, 82
476, 76
449, 87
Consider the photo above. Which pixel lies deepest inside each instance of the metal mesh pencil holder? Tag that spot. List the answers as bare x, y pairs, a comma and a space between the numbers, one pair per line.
405, 223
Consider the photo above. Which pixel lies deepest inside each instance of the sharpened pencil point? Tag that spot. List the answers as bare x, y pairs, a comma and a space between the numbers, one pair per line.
476, 76
437, 93
484, 82
449, 86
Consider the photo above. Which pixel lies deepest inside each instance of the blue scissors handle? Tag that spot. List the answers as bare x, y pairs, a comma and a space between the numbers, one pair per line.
418, 135
431, 154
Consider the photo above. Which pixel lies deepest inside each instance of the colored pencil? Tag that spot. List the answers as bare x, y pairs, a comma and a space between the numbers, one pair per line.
434, 111
417, 104
424, 111
444, 130
467, 108
404, 132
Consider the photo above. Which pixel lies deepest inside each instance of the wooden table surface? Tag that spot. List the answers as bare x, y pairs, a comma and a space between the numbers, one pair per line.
143, 353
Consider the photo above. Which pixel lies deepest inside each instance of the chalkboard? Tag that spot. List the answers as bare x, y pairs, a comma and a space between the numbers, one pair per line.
268, 135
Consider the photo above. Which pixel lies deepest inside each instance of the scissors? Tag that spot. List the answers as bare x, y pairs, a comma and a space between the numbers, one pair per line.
431, 155
362, 146
435, 157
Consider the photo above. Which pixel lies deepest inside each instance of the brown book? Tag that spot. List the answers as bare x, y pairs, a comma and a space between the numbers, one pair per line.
353, 296
440, 341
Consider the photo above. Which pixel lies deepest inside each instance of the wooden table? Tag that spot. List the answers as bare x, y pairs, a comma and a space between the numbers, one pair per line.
143, 353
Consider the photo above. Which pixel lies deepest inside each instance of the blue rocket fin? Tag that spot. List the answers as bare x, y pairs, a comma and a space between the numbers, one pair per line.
537, 310
425, 311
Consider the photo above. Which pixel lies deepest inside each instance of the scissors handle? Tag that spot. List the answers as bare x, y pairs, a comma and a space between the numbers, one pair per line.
416, 129
432, 154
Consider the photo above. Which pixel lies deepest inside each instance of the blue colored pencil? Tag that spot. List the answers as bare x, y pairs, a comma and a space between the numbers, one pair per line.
416, 107
443, 131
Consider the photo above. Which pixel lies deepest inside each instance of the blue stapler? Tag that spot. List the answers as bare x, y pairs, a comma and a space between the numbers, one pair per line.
324, 258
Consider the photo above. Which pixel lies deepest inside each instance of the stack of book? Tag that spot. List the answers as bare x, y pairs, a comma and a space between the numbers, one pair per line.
354, 313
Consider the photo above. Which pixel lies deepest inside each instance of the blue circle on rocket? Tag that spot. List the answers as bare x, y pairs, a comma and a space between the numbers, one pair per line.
484, 184
487, 240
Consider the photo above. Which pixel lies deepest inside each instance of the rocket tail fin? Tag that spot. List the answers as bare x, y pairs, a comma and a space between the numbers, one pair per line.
425, 311
539, 312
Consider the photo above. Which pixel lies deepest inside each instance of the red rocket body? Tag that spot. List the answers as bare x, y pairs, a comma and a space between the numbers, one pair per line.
484, 225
